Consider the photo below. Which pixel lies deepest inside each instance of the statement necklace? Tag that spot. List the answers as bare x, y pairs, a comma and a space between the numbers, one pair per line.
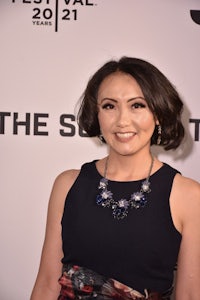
121, 207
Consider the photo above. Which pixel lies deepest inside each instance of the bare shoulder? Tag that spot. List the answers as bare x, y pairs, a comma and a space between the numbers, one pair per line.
61, 187
187, 187
66, 178
186, 212
185, 201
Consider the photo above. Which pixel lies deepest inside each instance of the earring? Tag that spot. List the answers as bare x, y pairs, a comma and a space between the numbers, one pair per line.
101, 138
159, 135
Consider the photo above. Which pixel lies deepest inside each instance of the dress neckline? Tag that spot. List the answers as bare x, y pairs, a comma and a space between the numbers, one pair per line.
129, 181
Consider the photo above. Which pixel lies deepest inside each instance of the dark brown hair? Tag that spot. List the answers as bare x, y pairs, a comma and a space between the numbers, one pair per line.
161, 96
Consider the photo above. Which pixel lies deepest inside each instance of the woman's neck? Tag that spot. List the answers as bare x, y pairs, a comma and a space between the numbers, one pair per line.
126, 168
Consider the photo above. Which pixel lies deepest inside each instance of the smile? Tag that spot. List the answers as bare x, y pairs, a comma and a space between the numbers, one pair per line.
125, 135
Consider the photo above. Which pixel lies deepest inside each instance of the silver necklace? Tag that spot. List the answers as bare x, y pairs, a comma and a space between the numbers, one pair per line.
121, 207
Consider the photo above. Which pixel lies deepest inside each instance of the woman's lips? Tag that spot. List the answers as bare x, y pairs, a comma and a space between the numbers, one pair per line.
125, 136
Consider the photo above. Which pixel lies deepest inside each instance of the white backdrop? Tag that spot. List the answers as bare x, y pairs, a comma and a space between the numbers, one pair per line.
48, 51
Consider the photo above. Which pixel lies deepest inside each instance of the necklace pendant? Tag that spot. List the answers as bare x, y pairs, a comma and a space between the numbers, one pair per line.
146, 186
105, 197
123, 203
103, 183
103, 201
138, 200
120, 209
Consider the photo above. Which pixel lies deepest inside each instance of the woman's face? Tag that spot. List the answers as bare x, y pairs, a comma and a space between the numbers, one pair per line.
125, 119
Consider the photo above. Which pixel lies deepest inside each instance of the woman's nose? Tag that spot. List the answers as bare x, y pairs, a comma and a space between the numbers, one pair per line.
123, 118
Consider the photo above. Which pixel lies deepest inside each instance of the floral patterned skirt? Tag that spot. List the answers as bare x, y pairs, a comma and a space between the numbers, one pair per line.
81, 283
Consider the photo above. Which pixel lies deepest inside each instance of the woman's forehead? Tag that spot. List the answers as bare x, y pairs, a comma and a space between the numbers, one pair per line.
119, 84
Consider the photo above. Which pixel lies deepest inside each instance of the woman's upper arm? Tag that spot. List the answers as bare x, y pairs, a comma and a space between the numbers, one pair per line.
188, 210
50, 264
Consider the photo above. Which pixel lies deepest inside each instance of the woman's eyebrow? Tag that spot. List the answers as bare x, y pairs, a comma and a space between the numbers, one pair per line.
134, 98
114, 100
110, 99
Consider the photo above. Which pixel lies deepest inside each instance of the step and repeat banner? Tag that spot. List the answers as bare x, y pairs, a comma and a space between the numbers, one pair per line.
48, 51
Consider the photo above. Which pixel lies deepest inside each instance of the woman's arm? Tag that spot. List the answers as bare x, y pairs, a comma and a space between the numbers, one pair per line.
46, 285
186, 205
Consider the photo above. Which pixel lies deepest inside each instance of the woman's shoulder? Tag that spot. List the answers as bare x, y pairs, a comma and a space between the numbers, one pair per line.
61, 186
185, 201
66, 178
186, 195
188, 187
67, 174
71, 174
186, 191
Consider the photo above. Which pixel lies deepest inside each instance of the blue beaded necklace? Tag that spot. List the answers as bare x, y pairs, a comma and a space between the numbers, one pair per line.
121, 207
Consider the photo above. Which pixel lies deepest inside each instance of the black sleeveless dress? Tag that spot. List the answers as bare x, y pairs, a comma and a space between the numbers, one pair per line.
140, 250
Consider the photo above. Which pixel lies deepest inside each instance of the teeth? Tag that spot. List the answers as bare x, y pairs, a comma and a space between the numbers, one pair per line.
125, 134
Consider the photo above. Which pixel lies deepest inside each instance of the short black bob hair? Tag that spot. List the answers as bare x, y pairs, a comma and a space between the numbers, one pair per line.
161, 96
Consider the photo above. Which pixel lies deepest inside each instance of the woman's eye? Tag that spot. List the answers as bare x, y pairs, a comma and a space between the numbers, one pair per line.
138, 105
108, 106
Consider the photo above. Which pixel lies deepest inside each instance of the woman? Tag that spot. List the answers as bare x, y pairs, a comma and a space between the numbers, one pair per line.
128, 218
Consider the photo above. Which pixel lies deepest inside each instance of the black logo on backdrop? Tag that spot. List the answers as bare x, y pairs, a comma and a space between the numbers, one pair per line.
195, 15
52, 12
37, 124
196, 131
56, 11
